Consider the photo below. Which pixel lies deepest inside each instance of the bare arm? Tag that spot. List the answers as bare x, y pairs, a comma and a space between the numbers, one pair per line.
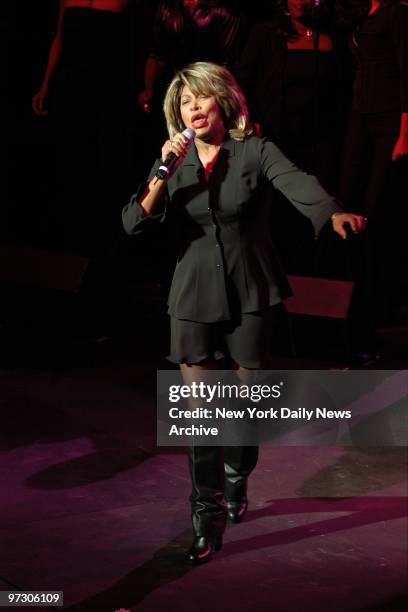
53, 59
401, 146
400, 38
153, 71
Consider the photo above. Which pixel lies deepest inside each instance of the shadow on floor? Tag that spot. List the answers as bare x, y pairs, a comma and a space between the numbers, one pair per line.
168, 564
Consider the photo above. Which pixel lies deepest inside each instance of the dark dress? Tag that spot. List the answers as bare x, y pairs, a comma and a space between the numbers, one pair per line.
298, 97
380, 46
89, 104
371, 182
215, 36
308, 133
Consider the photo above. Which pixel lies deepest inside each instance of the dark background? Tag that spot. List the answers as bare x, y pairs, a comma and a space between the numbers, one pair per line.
122, 274
27, 32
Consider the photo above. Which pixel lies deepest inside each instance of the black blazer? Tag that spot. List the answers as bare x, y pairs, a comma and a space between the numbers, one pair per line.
226, 259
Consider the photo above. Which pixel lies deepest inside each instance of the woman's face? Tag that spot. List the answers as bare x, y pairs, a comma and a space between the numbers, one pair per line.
297, 8
202, 113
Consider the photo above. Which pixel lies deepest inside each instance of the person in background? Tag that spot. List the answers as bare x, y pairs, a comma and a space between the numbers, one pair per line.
294, 72
186, 31
375, 152
86, 95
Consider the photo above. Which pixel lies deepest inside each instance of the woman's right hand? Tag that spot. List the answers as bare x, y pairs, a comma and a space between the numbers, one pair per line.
177, 145
38, 103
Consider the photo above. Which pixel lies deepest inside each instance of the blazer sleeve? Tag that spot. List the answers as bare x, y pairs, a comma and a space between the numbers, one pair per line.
302, 190
134, 218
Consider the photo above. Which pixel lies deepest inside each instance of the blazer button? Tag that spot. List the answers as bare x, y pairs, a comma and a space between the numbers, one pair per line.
218, 266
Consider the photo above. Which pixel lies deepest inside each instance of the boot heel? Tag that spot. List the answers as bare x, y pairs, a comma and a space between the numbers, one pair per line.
237, 510
202, 549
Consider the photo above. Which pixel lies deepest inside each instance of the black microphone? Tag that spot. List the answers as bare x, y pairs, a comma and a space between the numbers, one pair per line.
164, 169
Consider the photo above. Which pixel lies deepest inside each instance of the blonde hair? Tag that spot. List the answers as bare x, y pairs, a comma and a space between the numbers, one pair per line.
210, 79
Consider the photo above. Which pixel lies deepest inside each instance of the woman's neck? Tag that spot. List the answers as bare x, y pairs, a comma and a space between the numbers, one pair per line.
209, 149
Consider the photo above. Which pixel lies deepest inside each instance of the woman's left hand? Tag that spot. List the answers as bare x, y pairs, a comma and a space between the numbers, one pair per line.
356, 222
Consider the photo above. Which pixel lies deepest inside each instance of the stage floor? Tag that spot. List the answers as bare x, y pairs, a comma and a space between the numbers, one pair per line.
90, 506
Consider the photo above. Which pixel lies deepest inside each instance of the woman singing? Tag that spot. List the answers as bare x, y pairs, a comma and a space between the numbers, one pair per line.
228, 283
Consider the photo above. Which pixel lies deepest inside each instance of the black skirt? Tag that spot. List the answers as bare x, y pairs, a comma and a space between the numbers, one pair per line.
246, 339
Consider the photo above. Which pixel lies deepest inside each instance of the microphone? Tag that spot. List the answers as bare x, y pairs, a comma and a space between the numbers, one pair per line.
164, 169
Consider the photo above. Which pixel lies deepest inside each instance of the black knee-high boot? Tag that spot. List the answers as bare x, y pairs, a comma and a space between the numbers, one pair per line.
239, 461
208, 507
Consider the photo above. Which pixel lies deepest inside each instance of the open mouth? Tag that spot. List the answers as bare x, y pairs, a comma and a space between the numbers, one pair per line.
198, 120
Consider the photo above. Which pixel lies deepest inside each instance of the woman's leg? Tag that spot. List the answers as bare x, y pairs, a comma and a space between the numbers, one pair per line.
239, 461
208, 507
251, 343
